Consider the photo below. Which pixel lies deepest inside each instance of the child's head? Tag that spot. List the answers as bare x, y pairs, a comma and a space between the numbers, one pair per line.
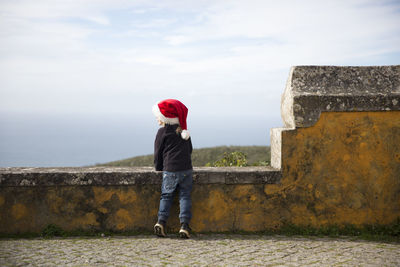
172, 111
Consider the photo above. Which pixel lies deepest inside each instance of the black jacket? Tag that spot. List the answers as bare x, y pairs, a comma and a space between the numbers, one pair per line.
171, 152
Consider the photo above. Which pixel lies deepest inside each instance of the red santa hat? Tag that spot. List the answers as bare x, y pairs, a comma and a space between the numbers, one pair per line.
172, 111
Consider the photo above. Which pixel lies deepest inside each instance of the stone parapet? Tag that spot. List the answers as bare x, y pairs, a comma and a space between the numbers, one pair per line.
126, 199
107, 176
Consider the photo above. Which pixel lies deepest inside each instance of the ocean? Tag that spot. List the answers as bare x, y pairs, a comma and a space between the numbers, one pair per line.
48, 140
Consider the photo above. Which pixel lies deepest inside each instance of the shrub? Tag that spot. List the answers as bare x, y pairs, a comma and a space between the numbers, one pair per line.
234, 159
52, 230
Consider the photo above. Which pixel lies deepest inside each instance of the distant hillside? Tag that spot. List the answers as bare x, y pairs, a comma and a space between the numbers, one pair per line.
202, 156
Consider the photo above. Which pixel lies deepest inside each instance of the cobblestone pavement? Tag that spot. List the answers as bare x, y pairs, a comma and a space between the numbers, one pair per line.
202, 250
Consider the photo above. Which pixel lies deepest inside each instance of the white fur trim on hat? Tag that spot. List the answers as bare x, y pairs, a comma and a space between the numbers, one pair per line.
185, 134
161, 117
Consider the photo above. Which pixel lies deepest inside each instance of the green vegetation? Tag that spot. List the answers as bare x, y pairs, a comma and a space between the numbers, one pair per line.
234, 159
368, 232
382, 233
53, 230
256, 155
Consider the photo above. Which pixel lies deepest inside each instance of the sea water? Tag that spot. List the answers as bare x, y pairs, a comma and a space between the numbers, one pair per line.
50, 140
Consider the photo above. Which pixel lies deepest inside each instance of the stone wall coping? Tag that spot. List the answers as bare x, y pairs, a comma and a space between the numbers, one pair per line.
311, 90
105, 176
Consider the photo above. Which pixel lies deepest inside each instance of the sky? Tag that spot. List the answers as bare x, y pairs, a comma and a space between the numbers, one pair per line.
227, 61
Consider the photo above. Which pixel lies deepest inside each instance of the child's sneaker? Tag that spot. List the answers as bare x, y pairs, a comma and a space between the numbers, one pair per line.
185, 230
159, 229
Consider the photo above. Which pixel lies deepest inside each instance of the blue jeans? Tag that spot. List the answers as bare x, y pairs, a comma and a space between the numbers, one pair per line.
172, 181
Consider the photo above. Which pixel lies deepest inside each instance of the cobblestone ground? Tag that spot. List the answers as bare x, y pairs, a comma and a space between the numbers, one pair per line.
202, 250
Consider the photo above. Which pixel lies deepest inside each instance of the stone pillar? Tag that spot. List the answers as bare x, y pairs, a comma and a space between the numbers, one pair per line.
311, 90
339, 149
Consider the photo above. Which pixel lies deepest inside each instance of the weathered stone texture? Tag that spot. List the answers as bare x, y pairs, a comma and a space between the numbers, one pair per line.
122, 199
104, 176
311, 90
344, 169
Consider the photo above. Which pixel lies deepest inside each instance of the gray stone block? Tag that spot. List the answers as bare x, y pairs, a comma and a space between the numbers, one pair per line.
311, 90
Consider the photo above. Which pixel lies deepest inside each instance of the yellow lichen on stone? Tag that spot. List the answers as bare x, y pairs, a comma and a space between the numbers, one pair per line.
102, 194
301, 215
247, 207
86, 221
19, 211
242, 190
271, 189
102, 210
214, 209
219, 203
55, 201
124, 219
127, 197
347, 157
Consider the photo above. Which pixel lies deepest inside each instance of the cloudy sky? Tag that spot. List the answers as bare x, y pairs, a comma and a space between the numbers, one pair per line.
226, 60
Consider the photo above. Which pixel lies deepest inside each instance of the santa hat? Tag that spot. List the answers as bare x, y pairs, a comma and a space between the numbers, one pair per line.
172, 111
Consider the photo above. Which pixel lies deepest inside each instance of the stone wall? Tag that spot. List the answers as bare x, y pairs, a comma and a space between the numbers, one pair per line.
126, 199
336, 161
339, 149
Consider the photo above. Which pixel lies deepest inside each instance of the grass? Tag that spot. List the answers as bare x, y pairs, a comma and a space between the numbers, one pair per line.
53, 230
382, 233
256, 155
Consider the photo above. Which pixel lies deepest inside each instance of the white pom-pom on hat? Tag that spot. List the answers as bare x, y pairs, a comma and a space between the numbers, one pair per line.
185, 134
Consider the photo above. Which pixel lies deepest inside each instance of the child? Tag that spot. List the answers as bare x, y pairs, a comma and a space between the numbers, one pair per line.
172, 155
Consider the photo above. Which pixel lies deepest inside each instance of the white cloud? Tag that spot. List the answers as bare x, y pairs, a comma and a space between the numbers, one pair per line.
318, 26
79, 56
177, 39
